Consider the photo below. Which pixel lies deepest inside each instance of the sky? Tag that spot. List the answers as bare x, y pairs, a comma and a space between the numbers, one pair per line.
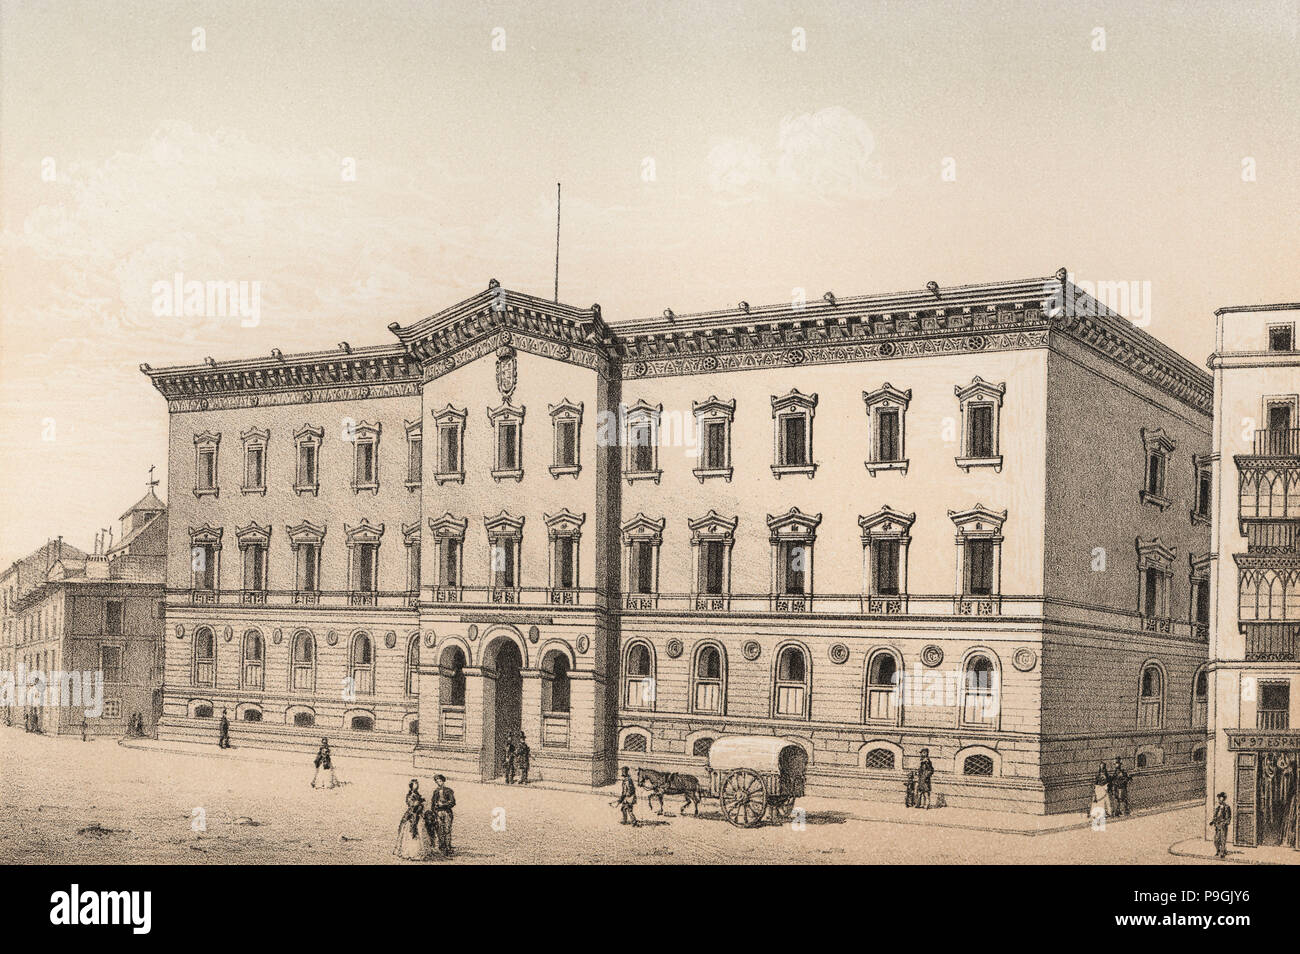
371, 162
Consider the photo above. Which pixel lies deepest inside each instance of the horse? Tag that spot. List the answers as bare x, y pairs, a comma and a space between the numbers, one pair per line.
669, 783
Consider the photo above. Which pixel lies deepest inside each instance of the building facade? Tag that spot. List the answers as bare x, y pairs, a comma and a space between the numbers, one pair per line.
88, 626
1254, 668
967, 520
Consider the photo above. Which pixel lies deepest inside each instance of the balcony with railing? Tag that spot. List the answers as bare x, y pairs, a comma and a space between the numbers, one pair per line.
1271, 640
1277, 442
1272, 719
1271, 535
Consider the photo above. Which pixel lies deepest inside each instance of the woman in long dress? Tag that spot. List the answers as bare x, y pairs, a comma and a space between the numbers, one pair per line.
413, 840
324, 777
1100, 793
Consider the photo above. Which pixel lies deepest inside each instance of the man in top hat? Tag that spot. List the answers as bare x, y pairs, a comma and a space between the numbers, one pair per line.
523, 757
1222, 816
924, 773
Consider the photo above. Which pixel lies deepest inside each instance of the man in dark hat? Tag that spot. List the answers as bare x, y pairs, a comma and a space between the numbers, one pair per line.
1119, 788
523, 758
924, 773
441, 803
1222, 817
627, 798
510, 762
223, 732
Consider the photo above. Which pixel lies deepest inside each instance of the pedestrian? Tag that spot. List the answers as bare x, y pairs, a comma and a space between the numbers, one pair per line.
442, 803
910, 799
924, 774
1119, 788
223, 730
1101, 793
1222, 816
510, 762
523, 758
627, 799
324, 777
413, 840
83, 728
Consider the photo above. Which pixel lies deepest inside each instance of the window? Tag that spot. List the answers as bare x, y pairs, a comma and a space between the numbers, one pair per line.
977, 765
363, 561
713, 419
411, 537
1199, 613
634, 742
882, 687
450, 423
110, 663
451, 679
306, 539
1151, 697
564, 530
1281, 337
508, 424
712, 536
1203, 492
251, 672
981, 411
700, 747
413, 665
791, 690
1274, 709
708, 680
641, 453
255, 442
555, 683
362, 664
254, 543
979, 562
792, 416
205, 657
505, 534
1158, 446
566, 422
304, 719
980, 692
365, 455
639, 683
306, 475
414, 454
205, 555
1155, 574
303, 667
113, 617
362, 723
641, 540
1200, 699
206, 446
886, 535
886, 408
792, 535
448, 540
252, 715
879, 760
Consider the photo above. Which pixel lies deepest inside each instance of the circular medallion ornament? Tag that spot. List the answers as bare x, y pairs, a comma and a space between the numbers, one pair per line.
227, 634
429, 637
506, 338
674, 648
332, 638
563, 352
640, 369
277, 637
796, 356
751, 650
932, 655
839, 653
305, 397
180, 632
390, 639
534, 634
887, 349
472, 633
976, 342
1025, 659
583, 643
709, 363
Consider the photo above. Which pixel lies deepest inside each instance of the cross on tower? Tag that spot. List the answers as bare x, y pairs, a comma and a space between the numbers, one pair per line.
152, 482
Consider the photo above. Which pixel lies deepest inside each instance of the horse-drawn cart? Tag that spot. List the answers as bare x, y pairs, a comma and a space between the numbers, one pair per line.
755, 777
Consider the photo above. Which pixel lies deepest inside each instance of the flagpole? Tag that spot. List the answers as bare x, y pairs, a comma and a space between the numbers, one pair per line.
557, 242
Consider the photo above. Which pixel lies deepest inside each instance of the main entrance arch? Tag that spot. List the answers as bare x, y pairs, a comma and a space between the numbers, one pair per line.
503, 704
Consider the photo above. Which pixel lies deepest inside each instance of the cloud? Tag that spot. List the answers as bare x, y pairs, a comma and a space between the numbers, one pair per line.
824, 156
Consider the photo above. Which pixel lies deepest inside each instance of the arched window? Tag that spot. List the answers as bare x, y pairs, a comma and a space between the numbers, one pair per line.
451, 677
639, 682
879, 760
304, 663
708, 693
412, 665
634, 742
1200, 699
980, 698
977, 765
304, 718
205, 656
252, 670
882, 687
555, 683
701, 747
1151, 697
362, 669
792, 683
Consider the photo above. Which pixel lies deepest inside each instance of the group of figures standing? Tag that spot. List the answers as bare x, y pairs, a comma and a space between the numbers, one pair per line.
1110, 791
518, 759
426, 830
920, 782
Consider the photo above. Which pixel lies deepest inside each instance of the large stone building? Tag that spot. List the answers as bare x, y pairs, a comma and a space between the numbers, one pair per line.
1254, 666
79, 625
964, 519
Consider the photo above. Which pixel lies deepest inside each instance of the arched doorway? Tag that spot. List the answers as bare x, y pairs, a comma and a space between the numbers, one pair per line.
506, 704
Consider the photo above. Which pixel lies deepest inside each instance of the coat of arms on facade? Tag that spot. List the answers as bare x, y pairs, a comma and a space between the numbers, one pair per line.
507, 372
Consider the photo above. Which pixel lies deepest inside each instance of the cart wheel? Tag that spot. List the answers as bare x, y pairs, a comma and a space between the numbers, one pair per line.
743, 798
782, 810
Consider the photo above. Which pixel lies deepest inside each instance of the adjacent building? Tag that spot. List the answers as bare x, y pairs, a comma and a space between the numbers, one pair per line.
969, 520
1254, 666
